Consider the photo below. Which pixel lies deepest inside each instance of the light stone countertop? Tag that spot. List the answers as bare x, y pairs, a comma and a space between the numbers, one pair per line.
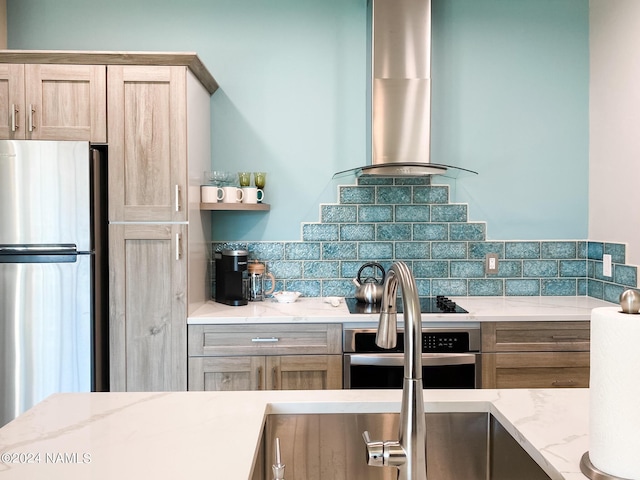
481, 309
214, 435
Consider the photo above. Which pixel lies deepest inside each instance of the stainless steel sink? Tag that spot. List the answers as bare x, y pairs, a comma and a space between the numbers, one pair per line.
460, 446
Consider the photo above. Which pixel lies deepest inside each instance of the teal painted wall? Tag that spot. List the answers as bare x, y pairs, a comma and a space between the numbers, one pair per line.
510, 97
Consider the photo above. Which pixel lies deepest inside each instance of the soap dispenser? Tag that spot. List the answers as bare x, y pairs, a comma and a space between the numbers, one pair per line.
278, 467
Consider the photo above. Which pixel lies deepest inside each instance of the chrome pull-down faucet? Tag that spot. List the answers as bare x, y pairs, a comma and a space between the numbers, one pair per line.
408, 454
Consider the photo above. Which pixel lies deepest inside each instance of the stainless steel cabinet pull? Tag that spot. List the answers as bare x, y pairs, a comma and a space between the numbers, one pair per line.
14, 117
564, 383
274, 377
177, 198
259, 371
260, 339
564, 337
31, 123
178, 247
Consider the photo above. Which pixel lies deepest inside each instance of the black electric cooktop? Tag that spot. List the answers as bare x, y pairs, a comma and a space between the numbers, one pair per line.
439, 304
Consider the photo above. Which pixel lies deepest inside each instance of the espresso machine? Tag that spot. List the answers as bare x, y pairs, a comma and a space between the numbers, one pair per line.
231, 277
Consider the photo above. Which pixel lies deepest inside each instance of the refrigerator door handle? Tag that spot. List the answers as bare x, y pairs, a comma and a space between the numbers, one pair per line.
38, 253
37, 249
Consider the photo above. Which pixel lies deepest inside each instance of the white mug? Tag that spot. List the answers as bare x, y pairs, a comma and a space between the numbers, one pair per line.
210, 194
232, 195
252, 195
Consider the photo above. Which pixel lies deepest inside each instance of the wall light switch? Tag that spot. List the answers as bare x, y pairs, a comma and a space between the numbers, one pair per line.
606, 265
491, 263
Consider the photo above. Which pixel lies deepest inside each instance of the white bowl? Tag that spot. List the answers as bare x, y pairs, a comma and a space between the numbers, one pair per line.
286, 297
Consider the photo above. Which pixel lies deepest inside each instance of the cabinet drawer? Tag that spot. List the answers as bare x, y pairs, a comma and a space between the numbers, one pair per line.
226, 340
535, 370
535, 336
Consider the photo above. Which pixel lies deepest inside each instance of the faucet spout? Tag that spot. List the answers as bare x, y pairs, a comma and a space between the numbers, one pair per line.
408, 454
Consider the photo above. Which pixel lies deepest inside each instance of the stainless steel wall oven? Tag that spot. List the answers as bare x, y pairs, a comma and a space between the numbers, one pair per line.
451, 359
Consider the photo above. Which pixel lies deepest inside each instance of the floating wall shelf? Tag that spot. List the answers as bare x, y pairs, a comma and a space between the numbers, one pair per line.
245, 207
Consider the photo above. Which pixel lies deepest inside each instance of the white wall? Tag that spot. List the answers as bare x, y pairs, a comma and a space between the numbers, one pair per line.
614, 170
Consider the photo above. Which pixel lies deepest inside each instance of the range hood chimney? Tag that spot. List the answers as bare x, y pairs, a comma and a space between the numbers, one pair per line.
399, 103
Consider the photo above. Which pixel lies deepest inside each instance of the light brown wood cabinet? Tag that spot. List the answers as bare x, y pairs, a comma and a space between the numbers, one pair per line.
148, 293
265, 357
53, 102
535, 354
159, 147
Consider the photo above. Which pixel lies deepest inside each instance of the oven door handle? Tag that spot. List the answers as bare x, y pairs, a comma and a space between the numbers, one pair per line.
397, 359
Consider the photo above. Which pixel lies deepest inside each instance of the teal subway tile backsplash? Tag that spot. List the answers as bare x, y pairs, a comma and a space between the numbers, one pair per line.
412, 250
410, 219
357, 195
393, 195
558, 287
302, 250
314, 232
431, 194
522, 287
449, 213
540, 268
358, 231
559, 250
412, 213
522, 250
375, 250
393, 231
430, 231
616, 250
467, 269
338, 213
375, 213
339, 250
486, 287
467, 231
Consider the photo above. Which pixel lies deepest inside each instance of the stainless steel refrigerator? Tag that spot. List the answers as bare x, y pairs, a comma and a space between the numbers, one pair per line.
53, 334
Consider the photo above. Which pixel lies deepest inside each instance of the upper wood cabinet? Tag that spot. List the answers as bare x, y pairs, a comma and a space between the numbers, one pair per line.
147, 143
53, 102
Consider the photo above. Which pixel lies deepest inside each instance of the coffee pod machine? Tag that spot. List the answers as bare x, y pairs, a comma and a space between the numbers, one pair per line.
232, 277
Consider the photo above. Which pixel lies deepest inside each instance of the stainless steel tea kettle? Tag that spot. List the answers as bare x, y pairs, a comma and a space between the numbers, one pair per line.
369, 290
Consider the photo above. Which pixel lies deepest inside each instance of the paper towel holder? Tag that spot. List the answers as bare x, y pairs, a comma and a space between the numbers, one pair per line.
592, 472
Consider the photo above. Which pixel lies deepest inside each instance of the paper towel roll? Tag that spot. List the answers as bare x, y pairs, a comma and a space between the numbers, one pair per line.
614, 430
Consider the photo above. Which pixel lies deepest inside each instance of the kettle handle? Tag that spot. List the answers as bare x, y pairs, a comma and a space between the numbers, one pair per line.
371, 264
273, 283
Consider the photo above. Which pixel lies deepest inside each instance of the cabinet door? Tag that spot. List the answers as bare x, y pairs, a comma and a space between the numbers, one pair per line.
65, 102
226, 373
147, 143
12, 112
147, 282
304, 372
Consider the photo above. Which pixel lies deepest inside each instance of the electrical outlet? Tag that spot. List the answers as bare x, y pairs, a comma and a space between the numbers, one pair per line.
491, 263
606, 265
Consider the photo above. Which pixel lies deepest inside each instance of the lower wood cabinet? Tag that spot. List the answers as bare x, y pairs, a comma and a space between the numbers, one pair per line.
535, 354
265, 357
291, 372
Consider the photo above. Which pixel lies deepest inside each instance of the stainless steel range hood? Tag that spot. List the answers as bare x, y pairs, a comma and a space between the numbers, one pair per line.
399, 106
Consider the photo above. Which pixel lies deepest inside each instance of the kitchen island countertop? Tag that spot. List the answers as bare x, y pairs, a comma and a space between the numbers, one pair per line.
214, 435
481, 309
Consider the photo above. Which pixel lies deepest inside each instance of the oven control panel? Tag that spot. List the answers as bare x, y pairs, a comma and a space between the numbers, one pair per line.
441, 342
432, 342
